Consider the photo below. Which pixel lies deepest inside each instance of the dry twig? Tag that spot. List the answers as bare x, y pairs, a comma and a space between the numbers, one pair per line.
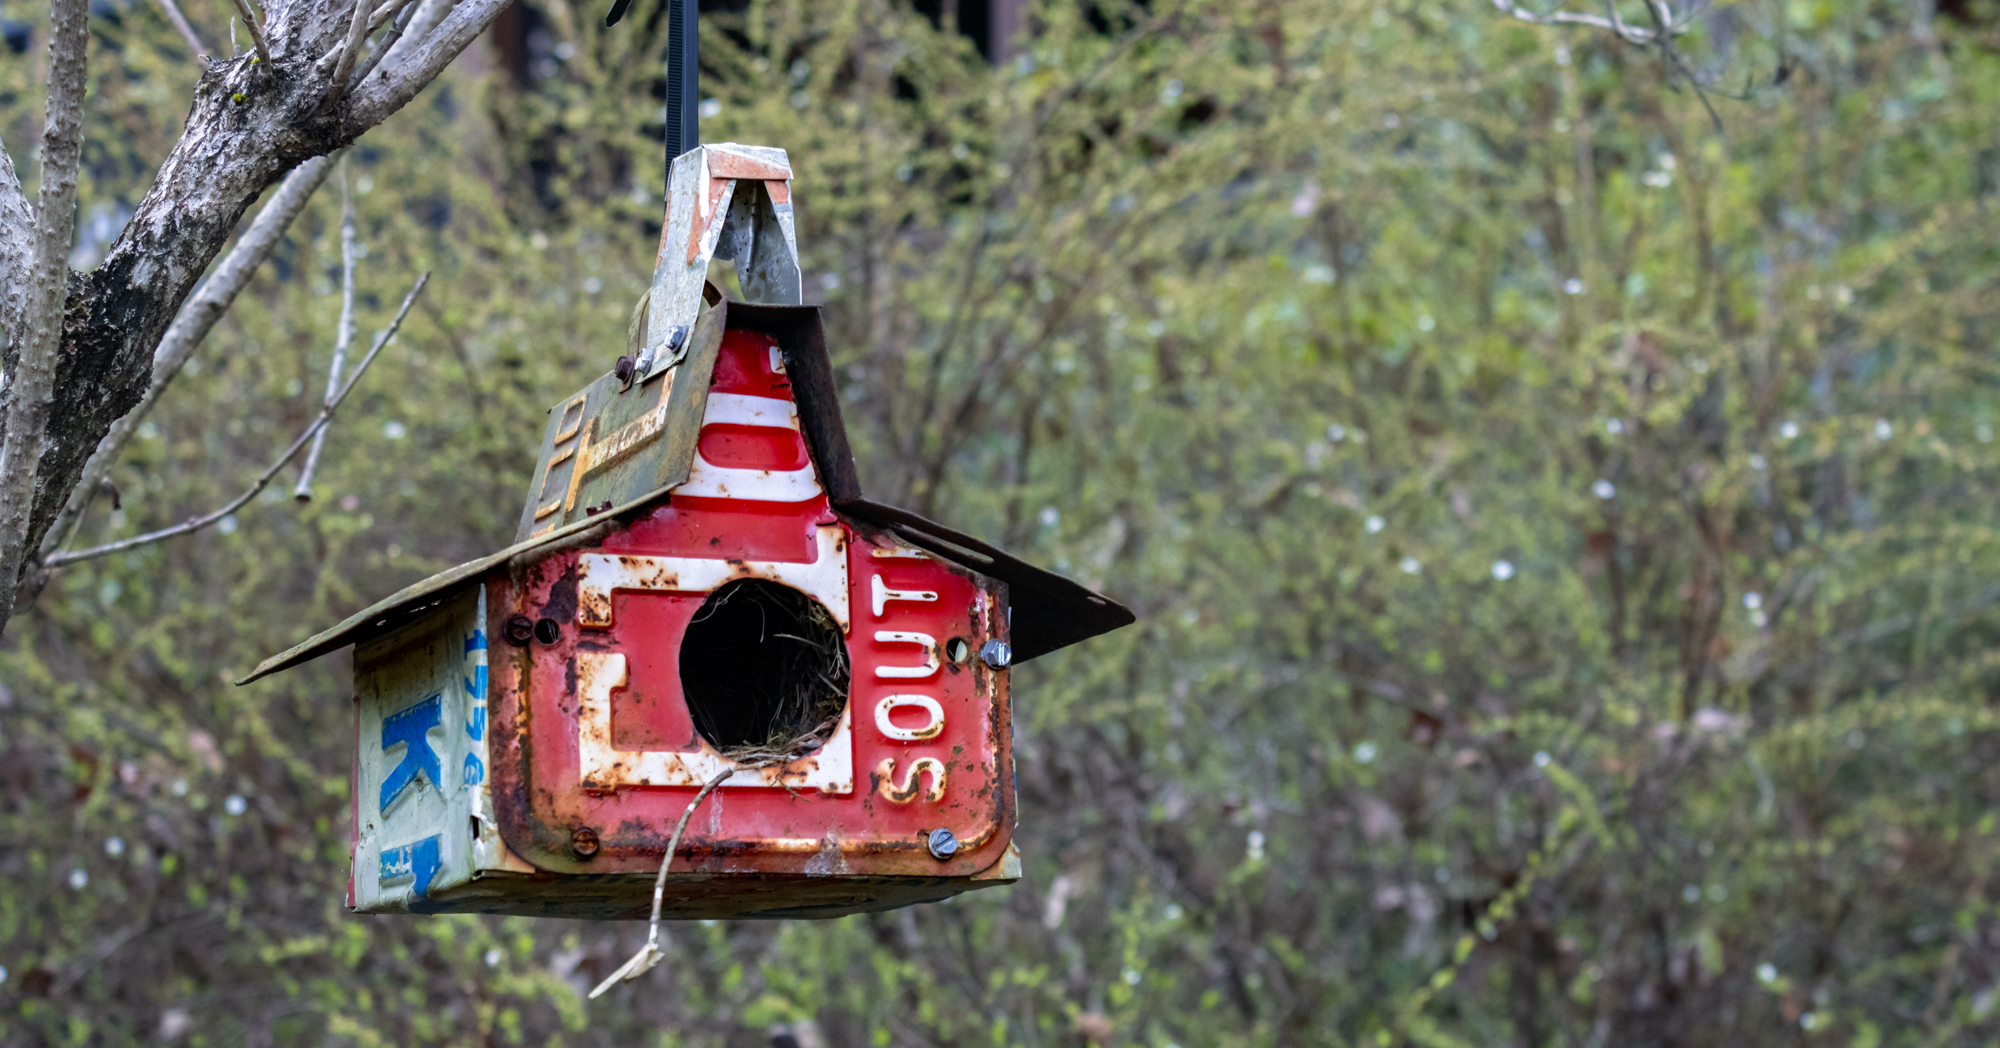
256, 32
1666, 24
651, 954
194, 524
388, 42
364, 22
339, 50
344, 333
180, 23
191, 325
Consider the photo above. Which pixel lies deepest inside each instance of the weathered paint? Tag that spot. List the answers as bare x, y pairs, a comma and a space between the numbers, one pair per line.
482, 766
1047, 611
601, 738
615, 444
423, 808
542, 779
604, 765
723, 201
599, 575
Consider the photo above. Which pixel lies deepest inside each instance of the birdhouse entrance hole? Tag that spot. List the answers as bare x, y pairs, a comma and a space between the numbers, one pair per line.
764, 672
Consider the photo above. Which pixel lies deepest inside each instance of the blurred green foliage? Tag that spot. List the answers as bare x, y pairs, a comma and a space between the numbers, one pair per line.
1562, 530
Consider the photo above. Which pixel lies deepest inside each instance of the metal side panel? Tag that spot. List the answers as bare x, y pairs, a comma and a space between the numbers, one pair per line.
424, 820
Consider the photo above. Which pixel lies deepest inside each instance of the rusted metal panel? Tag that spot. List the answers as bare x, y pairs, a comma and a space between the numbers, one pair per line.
611, 445
601, 742
898, 767
723, 201
1050, 611
1047, 611
423, 813
696, 503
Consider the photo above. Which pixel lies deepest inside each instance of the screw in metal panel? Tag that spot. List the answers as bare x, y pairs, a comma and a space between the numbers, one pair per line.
996, 653
624, 370
942, 843
548, 631
583, 841
518, 630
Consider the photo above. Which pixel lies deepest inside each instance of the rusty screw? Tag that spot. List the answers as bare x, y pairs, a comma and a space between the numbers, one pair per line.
548, 631
583, 841
942, 843
997, 654
519, 630
624, 370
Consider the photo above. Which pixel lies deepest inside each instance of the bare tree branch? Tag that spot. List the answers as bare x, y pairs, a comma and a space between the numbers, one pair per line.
248, 125
387, 44
256, 31
192, 325
187, 31
423, 18
31, 379
343, 335
375, 21
311, 433
1670, 26
374, 99
17, 245
357, 29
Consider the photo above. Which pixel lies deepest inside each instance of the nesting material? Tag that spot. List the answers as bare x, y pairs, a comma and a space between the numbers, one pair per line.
764, 671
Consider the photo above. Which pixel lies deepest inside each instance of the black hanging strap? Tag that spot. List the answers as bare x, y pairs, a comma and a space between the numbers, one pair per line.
683, 55
683, 58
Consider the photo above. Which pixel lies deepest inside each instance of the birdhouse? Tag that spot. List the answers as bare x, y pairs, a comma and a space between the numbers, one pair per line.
699, 596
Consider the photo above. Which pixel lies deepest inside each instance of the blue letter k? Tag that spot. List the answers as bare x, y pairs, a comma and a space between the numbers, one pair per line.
408, 728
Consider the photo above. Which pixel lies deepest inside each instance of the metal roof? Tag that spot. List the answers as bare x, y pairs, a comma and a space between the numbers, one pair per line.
1048, 610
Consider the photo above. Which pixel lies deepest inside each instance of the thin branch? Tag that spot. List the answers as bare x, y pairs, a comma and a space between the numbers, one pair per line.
424, 17
1663, 19
388, 41
180, 22
17, 245
372, 102
375, 21
343, 335
256, 32
1614, 22
357, 30
194, 524
32, 378
192, 324
651, 953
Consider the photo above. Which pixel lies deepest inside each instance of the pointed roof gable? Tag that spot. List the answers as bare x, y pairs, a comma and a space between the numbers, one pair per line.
606, 453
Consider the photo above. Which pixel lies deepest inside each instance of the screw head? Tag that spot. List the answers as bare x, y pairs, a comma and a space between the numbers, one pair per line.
943, 844
997, 654
623, 370
583, 841
519, 630
548, 631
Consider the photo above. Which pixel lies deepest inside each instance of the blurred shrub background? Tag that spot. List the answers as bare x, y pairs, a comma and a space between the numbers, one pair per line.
1562, 527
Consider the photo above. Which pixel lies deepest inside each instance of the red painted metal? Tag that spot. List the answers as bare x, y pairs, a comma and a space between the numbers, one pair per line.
875, 828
